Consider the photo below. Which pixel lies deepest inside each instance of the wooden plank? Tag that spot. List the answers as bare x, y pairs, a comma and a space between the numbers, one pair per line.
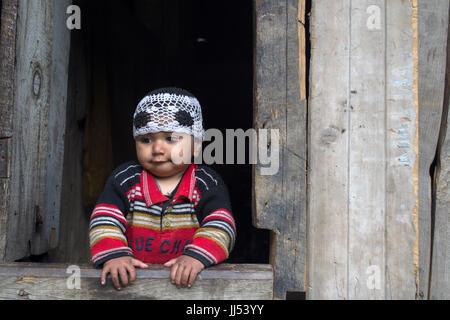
25, 151
7, 72
402, 150
367, 155
56, 122
4, 193
280, 198
363, 199
433, 30
440, 268
328, 150
440, 274
39, 117
47, 281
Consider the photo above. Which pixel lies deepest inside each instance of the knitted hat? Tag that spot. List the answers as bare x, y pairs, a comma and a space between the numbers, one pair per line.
168, 109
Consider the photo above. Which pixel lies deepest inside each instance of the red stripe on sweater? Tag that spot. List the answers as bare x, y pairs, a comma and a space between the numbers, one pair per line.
216, 215
109, 210
212, 247
104, 245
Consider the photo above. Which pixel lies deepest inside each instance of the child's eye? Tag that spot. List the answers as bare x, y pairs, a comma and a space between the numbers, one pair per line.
145, 140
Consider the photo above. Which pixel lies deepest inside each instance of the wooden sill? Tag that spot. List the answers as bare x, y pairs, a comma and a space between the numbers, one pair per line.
58, 281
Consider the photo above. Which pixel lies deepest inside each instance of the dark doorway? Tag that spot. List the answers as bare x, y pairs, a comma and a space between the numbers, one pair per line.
133, 47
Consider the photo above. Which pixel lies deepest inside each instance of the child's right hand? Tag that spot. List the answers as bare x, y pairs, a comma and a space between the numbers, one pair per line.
120, 268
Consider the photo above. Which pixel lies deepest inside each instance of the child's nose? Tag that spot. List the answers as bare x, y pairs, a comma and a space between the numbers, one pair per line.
158, 147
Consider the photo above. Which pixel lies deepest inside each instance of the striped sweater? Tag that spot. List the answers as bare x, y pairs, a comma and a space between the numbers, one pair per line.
133, 218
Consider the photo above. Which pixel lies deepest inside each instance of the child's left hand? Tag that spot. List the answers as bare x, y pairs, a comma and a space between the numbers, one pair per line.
184, 270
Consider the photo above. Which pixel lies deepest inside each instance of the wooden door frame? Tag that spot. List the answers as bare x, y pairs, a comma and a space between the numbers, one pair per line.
34, 95
279, 200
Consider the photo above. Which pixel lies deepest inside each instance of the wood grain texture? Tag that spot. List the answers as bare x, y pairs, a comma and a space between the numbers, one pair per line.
439, 286
47, 281
363, 137
56, 122
367, 156
433, 30
7, 55
7, 72
401, 269
440, 271
37, 145
280, 198
328, 150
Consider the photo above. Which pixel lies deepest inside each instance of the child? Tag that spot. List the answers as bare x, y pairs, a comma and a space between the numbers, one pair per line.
162, 209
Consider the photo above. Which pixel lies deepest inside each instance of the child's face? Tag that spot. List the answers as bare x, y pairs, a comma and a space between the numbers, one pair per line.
165, 154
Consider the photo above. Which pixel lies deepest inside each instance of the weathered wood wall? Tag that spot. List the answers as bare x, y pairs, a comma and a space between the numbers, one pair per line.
36, 128
363, 205
376, 103
47, 281
280, 103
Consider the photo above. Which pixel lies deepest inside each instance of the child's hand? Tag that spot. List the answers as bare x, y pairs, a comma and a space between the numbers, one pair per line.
184, 270
120, 268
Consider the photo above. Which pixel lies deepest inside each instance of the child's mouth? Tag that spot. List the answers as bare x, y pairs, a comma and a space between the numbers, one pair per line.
159, 161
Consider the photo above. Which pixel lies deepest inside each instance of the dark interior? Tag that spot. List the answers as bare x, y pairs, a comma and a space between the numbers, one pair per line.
133, 47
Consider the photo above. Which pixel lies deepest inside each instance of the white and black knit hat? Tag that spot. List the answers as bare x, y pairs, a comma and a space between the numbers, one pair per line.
168, 109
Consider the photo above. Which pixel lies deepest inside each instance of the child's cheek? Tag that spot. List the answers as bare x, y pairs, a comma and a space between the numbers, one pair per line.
177, 154
181, 154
